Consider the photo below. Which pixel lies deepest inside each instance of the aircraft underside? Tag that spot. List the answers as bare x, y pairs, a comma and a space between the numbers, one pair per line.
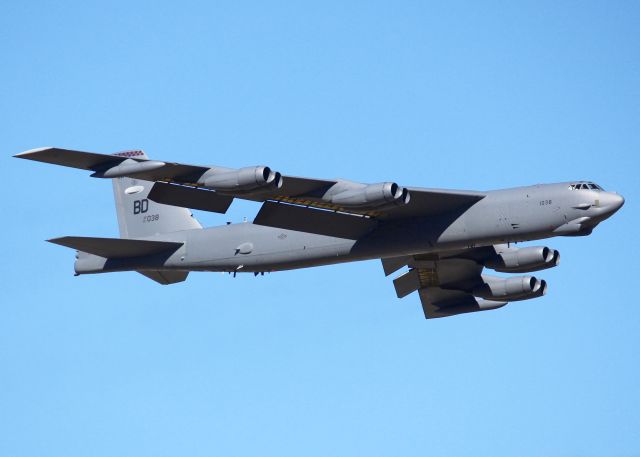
437, 241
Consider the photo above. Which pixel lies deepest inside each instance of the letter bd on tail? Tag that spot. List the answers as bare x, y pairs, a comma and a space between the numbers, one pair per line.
439, 241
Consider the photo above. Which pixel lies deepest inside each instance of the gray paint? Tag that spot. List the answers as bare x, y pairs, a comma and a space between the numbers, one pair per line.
445, 237
488, 222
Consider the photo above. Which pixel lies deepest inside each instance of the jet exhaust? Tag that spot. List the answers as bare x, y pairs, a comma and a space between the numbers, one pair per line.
511, 289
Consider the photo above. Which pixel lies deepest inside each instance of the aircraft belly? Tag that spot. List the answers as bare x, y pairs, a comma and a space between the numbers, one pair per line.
249, 247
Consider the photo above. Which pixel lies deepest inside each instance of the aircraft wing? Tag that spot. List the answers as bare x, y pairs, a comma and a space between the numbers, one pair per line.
151, 170
190, 186
302, 193
445, 283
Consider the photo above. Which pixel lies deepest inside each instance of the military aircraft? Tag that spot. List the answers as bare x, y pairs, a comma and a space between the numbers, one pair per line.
444, 237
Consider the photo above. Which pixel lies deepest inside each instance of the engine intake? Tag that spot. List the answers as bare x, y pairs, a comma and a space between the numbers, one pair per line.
371, 196
511, 289
524, 260
242, 180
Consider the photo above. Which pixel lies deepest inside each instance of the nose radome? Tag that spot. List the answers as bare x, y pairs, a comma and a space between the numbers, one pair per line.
613, 202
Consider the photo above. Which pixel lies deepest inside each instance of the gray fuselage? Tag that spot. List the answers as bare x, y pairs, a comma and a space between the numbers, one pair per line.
509, 215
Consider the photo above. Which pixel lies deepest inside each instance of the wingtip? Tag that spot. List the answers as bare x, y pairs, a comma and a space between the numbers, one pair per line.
24, 154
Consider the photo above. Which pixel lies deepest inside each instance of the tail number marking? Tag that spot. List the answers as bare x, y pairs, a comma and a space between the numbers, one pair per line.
140, 206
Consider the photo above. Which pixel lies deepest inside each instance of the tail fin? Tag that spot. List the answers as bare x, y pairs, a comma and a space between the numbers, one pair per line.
140, 217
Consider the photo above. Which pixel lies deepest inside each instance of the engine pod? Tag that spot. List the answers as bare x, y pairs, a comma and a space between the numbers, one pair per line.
511, 289
242, 180
523, 260
367, 196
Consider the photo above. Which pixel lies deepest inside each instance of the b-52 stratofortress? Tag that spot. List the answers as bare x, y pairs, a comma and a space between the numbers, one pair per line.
442, 239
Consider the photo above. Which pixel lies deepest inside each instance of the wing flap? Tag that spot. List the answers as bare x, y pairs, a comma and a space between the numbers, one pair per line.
392, 264
319, 222
190, 197
116, 248
407, 283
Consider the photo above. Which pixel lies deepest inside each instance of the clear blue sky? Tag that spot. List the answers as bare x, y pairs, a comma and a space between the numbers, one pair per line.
319, 362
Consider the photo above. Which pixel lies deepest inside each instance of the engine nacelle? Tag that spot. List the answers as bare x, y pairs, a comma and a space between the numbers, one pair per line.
524, 260
511, 289
242, 180
371, 196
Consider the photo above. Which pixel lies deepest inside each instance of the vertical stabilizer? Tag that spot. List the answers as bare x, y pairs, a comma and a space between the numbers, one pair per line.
140, 217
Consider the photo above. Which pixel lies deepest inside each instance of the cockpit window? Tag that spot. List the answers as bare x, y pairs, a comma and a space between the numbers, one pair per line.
585, 185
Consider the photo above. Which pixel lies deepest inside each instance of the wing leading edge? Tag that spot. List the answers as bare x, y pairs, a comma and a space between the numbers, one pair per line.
191, 186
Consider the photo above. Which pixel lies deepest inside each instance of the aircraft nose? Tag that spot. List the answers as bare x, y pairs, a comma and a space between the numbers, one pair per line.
612, 202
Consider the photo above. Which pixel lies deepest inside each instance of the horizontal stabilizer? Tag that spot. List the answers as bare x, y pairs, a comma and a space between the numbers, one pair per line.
190, 197
310, 220
165, 277
116, 248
